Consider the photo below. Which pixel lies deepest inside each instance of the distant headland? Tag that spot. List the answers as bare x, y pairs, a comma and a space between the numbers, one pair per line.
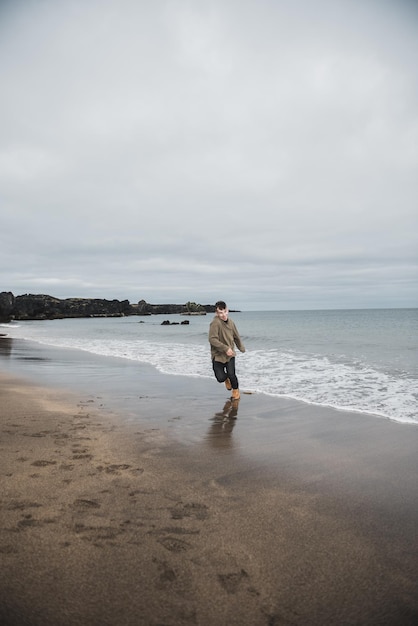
44, 307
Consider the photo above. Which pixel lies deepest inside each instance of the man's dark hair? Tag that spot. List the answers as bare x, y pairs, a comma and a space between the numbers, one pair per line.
220, 305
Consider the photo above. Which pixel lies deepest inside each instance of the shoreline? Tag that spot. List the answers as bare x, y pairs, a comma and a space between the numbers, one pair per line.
176, 514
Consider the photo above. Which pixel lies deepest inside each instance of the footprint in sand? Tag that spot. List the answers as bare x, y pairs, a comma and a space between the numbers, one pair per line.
231, 582
167, 574
67, 466
173, 544
176, 530
43, 463
80, 447
86, 504
60, 442
27, 522
23, 504
168, 577
81, 456
117, 468
98, 536
191, 509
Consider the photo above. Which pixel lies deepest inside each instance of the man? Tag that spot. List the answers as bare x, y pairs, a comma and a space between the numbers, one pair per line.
223, 335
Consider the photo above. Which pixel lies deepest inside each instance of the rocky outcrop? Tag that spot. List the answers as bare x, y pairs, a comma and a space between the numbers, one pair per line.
30, 307
41, 307
7, 301
144, 308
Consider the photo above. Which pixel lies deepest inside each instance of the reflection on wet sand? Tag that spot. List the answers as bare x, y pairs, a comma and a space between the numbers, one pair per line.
223, 422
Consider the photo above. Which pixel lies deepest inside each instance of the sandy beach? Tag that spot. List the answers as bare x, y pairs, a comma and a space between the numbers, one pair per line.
116, 521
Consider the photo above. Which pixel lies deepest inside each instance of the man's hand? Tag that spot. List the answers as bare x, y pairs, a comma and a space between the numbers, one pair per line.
230, 352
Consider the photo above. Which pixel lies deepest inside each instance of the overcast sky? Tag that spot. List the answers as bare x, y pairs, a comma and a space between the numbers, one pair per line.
264, 152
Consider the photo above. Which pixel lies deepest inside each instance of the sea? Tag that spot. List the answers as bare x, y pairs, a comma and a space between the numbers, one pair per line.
363, 361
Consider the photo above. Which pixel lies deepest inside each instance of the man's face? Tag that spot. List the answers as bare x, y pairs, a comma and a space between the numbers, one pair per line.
222, 314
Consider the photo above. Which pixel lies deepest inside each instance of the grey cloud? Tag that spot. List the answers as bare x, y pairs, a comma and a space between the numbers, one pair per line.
267, 149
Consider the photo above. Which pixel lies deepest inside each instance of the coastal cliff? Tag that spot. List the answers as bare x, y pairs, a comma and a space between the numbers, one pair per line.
42, 307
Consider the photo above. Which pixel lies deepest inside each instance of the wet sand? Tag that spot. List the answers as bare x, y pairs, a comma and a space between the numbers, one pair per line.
280, 514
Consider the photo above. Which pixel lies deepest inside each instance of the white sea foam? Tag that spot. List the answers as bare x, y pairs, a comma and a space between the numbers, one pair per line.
315, 379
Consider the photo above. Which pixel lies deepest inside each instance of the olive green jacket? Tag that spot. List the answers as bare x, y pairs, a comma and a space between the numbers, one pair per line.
222, 336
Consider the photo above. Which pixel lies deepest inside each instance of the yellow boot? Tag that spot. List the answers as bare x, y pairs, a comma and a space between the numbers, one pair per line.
228, 384
235, 394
